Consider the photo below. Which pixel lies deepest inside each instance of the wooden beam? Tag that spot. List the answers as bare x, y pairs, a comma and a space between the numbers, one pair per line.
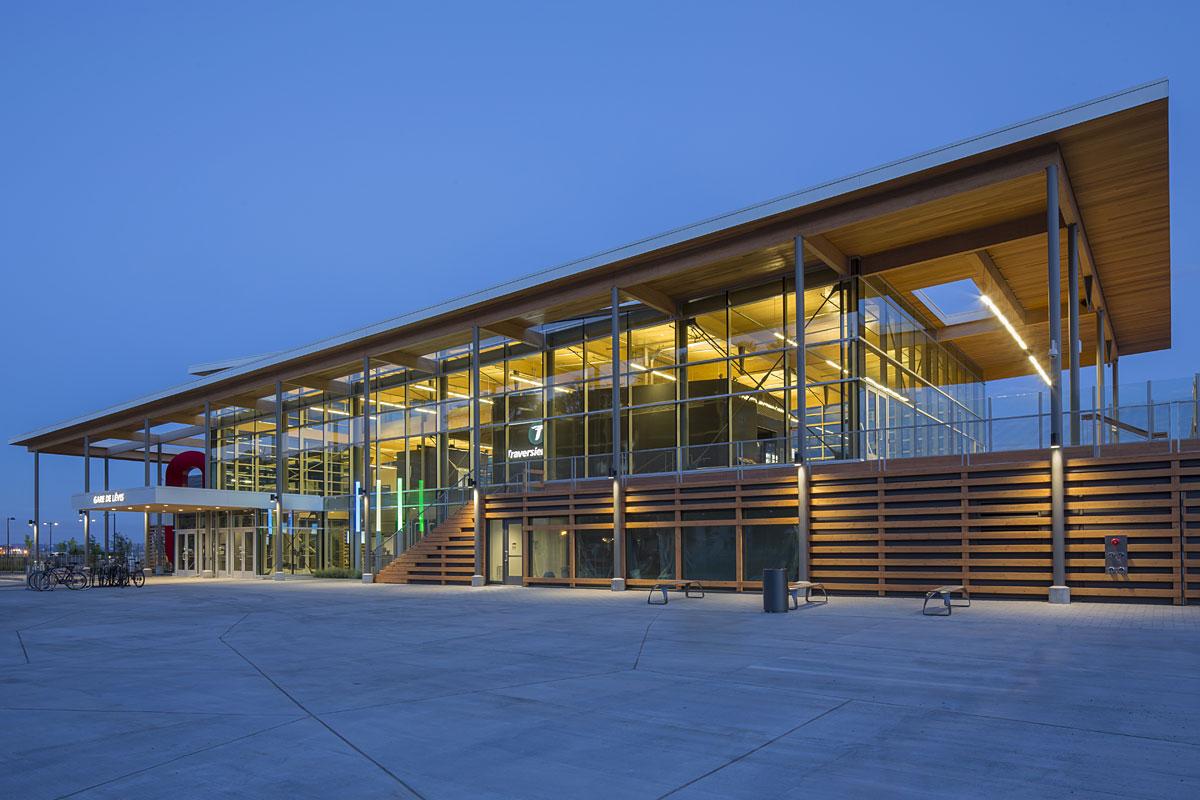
319, 384
1069, 208
955, 244
517, 331
964, 329
249, 401
999, 290
648, 295
402, 358
828, 252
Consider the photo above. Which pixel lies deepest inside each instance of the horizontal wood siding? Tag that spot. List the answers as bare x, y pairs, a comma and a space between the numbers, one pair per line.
903, 527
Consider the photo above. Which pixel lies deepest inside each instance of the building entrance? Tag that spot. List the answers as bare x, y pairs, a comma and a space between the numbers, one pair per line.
227, 549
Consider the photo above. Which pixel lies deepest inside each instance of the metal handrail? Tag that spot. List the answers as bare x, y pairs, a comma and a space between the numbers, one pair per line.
445, 504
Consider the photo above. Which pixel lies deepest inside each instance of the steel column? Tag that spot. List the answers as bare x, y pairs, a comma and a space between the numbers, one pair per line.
1059, 593
1100, 394
801, 382
477, 459
87, 487
1073, 325
280, 464
37, 514
146, 465
618, 579
368, 479
106, 513
209, 477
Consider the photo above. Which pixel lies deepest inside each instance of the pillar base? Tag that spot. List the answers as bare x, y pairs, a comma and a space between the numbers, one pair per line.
618, 584
477, 580
278, 576
1060, 595
368, 578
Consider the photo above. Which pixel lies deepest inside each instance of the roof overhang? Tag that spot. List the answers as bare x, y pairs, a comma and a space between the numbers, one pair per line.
1112, 151
186, 499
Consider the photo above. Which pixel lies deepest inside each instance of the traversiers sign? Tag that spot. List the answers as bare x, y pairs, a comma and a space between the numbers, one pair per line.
535, 439
114, 497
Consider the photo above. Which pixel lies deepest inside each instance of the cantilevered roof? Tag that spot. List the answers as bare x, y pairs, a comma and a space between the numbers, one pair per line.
917, 220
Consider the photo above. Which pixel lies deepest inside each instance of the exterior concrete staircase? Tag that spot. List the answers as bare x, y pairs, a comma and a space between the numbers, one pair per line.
445, 556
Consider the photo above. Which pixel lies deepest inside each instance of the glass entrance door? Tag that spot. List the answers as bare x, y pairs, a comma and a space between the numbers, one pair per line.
241, 552
514, 552
185, 553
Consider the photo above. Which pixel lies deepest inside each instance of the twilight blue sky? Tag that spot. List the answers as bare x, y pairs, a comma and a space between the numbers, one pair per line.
187, 182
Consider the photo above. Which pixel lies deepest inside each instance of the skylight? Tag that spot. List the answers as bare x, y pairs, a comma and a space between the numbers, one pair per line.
954, 302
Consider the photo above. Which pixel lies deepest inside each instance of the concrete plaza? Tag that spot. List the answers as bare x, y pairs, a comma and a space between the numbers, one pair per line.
318, 688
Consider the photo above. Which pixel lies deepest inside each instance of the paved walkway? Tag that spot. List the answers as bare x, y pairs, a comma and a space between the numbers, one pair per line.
336, 689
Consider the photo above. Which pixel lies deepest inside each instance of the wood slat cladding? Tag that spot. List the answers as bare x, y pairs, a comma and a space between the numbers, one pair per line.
903, 527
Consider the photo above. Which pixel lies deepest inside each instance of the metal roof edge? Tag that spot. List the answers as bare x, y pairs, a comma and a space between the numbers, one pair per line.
1010, 134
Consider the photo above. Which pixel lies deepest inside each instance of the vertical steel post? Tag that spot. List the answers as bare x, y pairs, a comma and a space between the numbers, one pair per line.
618, 579
106, 513
1059, 593
477, 458
87, 488
209, 476
1116, 402
37, 514
801, 376
146, 465
280, 464
1073, 324
1100, 398
368, 481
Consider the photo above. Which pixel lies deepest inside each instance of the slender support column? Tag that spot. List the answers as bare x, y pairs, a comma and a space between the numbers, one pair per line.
801, 466
368, 546
209, 476
106, 513
618, 580
1059, 592
477, 459
1073, 325
1116, 403
161, 544
37, 514
87, 487
146, 465
280, 465
1100, 394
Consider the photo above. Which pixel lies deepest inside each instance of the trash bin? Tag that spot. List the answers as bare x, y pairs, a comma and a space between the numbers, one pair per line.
775, 591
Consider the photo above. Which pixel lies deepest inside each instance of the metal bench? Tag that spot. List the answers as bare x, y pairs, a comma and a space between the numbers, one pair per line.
680, 586
807, 586
945, 592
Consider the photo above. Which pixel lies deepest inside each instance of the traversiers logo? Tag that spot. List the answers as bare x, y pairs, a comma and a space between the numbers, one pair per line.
535, 435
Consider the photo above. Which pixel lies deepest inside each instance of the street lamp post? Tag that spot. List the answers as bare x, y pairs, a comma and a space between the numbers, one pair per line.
8, 535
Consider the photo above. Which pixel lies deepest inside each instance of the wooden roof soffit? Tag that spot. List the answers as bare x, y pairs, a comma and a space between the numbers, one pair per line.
1069, 208
516, 330
250, 402
955, 244
648, 295
318, 384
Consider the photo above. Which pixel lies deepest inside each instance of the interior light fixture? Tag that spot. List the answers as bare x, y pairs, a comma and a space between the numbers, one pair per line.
783, 338
888, 391
1016, 337
523, 379
662, 374
835, 365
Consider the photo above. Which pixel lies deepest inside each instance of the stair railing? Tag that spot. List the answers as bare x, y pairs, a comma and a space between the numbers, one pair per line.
445, 504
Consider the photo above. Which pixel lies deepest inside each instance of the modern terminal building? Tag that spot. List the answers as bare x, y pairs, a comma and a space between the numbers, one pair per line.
799, 384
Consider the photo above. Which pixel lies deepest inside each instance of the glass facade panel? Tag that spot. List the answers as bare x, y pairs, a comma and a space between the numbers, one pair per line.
770, 547
709, 553
650, 555
550, 548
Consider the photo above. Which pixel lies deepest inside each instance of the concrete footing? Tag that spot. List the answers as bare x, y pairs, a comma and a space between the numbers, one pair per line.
368, 577
208, 573
618, 584
1060, 595
477, 580
278, 576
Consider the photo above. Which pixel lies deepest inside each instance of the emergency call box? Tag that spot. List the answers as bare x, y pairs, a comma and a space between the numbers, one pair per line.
1116, 555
